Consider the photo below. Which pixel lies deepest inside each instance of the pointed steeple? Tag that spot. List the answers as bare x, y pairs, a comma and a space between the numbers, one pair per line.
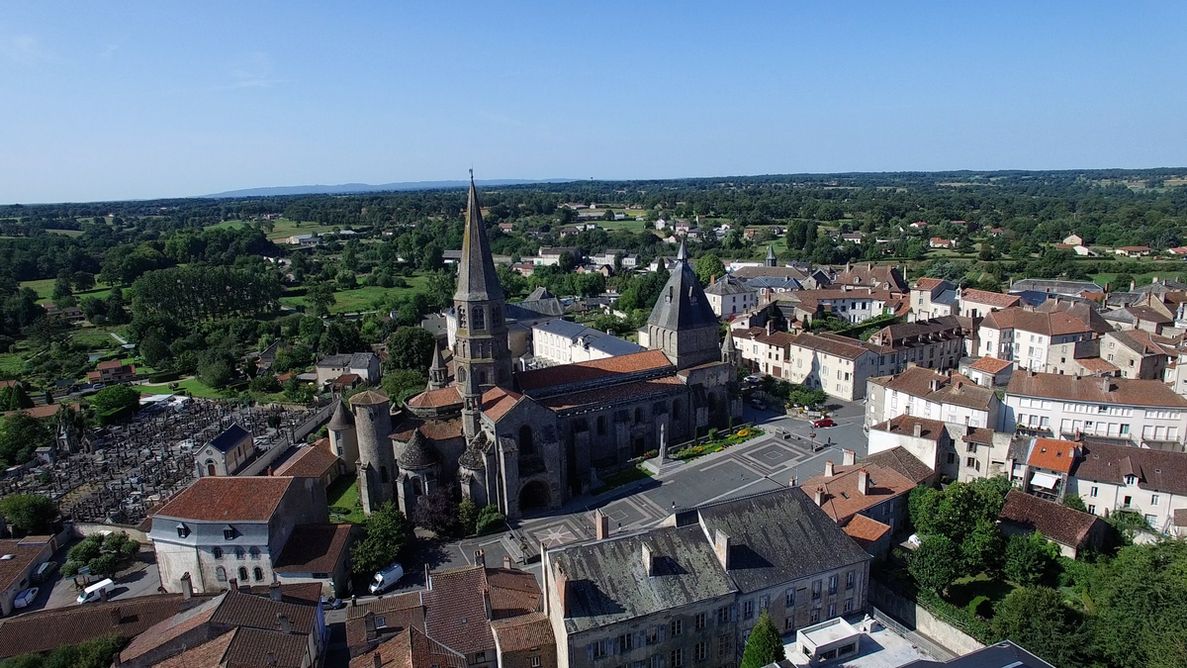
476, 278
771, 259
682, 323
438, 372
729, 352
682, 254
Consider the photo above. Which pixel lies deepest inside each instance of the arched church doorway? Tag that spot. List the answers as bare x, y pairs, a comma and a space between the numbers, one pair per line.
534, 496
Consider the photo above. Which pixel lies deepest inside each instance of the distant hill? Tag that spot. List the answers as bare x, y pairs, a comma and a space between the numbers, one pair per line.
351, 188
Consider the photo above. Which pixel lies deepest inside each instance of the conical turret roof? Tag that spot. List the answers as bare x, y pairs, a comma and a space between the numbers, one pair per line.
476, 277
343, 418
682, 303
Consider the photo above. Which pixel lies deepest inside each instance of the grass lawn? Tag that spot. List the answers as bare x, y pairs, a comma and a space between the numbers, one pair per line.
11, 364
196, 389
630, 225
978, 594
1141, 279
343, 496
44, 287
96, 338
620, 478
283, 227
368, 298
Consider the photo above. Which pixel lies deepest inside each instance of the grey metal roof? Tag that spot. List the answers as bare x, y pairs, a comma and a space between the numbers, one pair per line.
589, 337
476, 277
777, 537
728, 285
608, 580
682, 303
229, 438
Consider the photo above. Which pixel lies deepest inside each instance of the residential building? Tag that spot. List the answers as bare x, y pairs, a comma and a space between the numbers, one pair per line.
932, 298
1140, 412
318, 554
1035, 340
876, 494
951, 451
882, 277
838, 365
221, 529
112, 371
550, 256
1054, 287
935, 343
1133, 251
689, 591
365, 365
988, 371
1072, 530
920, 392
851, 304
1138, 353
563, 342
19, 557
728, 296
226, 454
978, 303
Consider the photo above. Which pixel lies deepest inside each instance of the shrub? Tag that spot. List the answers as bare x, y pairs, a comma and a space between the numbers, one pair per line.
490, 520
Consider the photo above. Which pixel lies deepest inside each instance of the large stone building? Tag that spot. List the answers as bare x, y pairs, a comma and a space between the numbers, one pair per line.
532, 439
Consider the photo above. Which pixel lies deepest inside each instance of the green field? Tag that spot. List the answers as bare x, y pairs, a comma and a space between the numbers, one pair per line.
369, 298
1141, 279
96, 338
283, 227
195, 387
11, 365
44, 288
343, 497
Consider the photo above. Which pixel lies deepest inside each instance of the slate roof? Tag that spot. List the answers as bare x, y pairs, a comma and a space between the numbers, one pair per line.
728, 285
476, 277
415, 454
778, 537
227, 499
1156, 470
682, 304
608, 581
343, 418
314, 548
1115, 391
229, 438
1056, 521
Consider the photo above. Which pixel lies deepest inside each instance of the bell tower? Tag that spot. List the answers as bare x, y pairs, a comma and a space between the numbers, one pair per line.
481, 356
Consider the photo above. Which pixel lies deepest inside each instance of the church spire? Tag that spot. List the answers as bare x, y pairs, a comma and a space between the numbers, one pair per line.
771, 259
682, 254
438, 372
476, 278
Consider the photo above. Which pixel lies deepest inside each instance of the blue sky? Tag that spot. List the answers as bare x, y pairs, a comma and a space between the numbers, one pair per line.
133, 100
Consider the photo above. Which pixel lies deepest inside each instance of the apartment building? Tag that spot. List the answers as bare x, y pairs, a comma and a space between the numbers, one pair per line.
1141, 412
563, 342
951, 451
926, 393
729, 296
688, 592
838, 365
933, 298
1138, 354
979, 303
936, 343
1036, 340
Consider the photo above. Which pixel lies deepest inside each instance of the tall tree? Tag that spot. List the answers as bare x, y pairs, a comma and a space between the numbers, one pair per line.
764, 646
410, 348
29, 513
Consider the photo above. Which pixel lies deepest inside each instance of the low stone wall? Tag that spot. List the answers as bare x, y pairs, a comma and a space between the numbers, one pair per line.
84, 529
916, 617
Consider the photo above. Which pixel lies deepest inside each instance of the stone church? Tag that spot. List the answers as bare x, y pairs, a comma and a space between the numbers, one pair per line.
531, 440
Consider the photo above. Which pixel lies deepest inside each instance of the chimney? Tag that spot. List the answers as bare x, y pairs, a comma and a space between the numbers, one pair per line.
601, 525
933, 384
848, 457
917, 430
721, 547
480, 557
116, 616
376, 659
283, 622
428, 579
369, 624
648, 559
770, 326
544, 566
187, 586
828, 467
507, 561
820, 496
863, 481
274, 591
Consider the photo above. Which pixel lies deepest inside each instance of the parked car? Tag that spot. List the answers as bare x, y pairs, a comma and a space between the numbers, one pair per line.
823, 422
43, 572
95, 591
332, 603
25, 598
386, 579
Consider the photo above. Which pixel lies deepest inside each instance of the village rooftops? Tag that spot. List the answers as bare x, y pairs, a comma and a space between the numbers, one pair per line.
1053, 454
313, 548
227, 499
990, 365
1038, 322
905, 425
1114, 391
410, 648
1054, 520
994, 299
1153, 470
348, 361
606, 369
939, 387
837, 346
900, 459
853, 489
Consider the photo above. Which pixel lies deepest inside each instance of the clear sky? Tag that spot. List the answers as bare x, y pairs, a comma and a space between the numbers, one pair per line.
113, 100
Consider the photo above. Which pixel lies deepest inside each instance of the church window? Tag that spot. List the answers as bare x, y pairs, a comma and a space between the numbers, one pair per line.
479, 319
258, 573
461, 374
243, 573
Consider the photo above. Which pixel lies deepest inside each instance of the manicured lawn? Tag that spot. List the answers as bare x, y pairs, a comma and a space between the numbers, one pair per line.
343, 496
368, 298
44, 288
283, 227
630, 224
620, 478
196, 389
97, 338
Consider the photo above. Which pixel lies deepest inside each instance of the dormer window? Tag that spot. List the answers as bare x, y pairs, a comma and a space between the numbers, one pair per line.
229, 532
182, 531
1130, 479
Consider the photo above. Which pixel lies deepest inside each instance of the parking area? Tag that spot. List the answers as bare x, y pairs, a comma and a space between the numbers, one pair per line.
140, 578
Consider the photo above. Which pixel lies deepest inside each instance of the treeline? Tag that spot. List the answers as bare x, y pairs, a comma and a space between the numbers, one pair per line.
199, 293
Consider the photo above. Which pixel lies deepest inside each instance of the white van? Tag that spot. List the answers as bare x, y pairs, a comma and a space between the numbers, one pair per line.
95, 591
386, 578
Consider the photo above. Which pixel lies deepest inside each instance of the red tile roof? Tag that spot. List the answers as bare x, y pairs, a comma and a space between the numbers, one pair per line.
24, 552
991, 365
1054, 520
662, 386
309, 462
411, 648
995, 299
434, 430
209, 653
522, 633
596, 369
1053, 454
864, 530
456, 614
1055, 323
497, 401
314, 548
446, 396
905, 425
1115, 391
225, 499
842, 498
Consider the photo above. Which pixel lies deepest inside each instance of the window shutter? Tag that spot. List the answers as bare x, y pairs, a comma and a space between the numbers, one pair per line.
734, 613
589, 651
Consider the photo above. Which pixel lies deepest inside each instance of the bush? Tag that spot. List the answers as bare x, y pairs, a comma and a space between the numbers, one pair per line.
490, 520
936, 563
437, 512
1030, 559
467, 513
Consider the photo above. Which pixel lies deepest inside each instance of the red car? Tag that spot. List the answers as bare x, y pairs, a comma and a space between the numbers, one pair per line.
823, 422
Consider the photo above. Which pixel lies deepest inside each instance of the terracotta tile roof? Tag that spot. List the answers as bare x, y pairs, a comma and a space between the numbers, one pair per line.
1144, 343
456, 614
1054, 520
309, 462
368, 398
446, 396
513, 592
1055, 323
1095, 365
777, 339
169, 629
956, 389
634, 391
842, 498
411, 648
864, 530
497, 401
46, 629
932, 430
979, 435
836, 346
24, 552
900, 459
929, 283
299, 592
252, 647
243, 609
209, 653
522, 633
314, 548
991, 365
434, 430
647, 360
398, 612
1155, 470
1053, 454
1116, 391
995, 299
227, 498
